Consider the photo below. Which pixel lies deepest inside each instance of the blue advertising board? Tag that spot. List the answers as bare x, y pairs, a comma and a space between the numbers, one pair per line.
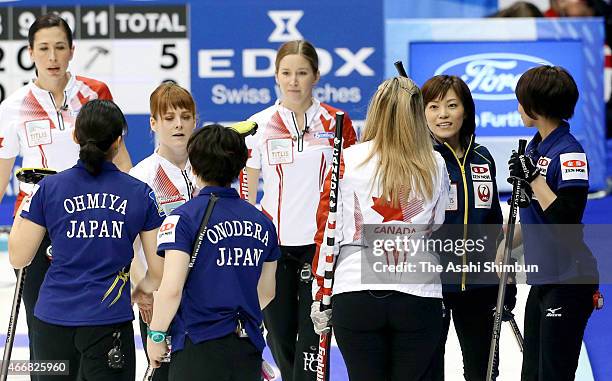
490, 55
492, 70
439, 8
233, 52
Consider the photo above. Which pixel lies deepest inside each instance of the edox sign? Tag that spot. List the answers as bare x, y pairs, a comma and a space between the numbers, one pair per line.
259, 62
233, 69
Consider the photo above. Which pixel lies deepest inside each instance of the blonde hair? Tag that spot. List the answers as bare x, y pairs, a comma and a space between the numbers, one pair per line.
397, 127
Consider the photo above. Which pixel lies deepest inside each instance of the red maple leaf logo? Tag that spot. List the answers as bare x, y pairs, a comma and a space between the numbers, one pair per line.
384, 208
1, 139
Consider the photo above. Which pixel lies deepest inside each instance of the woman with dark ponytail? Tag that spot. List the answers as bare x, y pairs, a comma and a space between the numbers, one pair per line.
92, 212
37, 124
96, 131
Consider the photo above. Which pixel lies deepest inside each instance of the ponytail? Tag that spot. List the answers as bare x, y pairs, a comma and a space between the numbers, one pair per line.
92, 156
98, 125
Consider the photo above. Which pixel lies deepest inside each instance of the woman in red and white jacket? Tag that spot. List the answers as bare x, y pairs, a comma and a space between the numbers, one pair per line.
386, 319
292, 150
168, 172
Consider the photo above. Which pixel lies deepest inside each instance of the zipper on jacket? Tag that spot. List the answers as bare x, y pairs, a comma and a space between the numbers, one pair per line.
465, 204
190, 187
300, 135
60, 118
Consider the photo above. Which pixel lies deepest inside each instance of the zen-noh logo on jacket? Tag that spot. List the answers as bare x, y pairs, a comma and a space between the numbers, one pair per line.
574, 166
574, 163
480, 172
491, 76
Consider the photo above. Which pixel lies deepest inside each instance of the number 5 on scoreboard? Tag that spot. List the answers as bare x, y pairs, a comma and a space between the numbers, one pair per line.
169, 53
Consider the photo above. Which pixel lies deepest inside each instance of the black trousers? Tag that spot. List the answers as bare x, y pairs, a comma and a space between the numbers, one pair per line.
386, 335
229, 358
86, 349
291, 336
34, 276
472, 313
161, 373
555, 319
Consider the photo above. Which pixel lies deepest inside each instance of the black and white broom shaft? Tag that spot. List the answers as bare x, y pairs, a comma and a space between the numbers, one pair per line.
331, 219
501, 293
149, 373
10, 336
330, 230
517, 333
30, 176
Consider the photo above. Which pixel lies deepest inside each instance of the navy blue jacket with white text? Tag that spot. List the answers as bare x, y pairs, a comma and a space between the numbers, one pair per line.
473, 216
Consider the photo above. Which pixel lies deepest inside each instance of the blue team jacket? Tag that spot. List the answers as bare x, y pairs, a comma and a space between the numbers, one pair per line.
473, 213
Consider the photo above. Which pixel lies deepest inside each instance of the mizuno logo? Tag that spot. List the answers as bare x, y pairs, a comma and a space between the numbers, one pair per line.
552, 312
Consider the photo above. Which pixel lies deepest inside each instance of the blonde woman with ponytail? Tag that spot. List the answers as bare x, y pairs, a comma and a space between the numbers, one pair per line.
387, 319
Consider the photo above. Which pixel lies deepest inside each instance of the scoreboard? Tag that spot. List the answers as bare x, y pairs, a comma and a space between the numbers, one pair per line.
131, 48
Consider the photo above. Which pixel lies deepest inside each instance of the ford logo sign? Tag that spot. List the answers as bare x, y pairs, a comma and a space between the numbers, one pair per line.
491, 76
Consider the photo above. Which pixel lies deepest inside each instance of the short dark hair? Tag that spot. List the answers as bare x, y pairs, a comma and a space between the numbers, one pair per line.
217, 154
436, 88
49, 20
548, 91
98, 125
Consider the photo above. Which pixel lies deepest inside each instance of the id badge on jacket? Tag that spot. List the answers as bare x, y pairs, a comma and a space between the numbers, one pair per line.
280, 151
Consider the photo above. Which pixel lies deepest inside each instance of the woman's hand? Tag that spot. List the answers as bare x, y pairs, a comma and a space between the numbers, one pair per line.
523, 168
320, 319
145, 303
157, 352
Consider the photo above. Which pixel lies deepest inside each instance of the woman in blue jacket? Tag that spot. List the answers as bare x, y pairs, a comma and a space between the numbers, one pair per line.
564, 290
92, 212
214, 298
473, 213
